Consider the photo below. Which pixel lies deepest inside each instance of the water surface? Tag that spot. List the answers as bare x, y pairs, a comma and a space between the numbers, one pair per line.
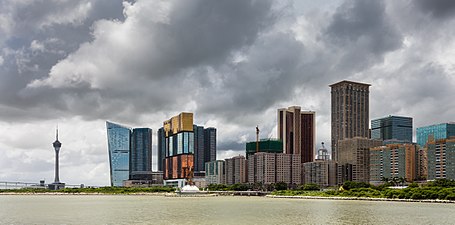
69, 209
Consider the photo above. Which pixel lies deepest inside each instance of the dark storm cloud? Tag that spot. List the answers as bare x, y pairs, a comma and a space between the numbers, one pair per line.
232, 63
363, 32
36, 36
167, 55
437, 8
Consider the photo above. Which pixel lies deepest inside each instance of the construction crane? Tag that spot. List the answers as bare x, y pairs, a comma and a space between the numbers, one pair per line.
257, 139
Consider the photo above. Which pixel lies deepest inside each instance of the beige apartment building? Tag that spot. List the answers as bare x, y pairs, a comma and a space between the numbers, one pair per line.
236, 170
270, 168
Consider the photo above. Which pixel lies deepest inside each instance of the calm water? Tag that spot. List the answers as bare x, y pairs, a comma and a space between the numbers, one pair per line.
214, 210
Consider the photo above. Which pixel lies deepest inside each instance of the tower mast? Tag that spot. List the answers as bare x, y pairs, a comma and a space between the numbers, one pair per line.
257, 139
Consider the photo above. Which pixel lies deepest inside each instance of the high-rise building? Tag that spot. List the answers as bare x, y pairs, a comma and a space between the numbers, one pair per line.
265, 145
141, 153
179, 138
350, 112
215, 172
320, 172
270, 168
161, 149
236, 170
118, 142
395, 160
204, 145
441, 158
392, 128
209, 145
354, 159
437, 131
297, 130
199, 148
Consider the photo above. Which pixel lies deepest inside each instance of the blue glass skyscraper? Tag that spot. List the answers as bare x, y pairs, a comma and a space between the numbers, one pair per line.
141, 153
118, 142
392, 128
438, 131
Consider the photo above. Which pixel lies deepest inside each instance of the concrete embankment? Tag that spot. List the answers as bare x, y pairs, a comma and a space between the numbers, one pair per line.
363, 199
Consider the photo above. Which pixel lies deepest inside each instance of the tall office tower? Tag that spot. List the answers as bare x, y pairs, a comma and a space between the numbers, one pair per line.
236, 170
141, 154
350, 112
265, 145
215, 172
199, 148
297, 130
437, 131
204, 146
179, 138
441, 158
209, 145
161, 148
269, 168
354, 159
395, 160
118, 142
392, 128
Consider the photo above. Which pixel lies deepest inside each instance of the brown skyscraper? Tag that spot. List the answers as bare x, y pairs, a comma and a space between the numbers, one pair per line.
297, 130
350, 112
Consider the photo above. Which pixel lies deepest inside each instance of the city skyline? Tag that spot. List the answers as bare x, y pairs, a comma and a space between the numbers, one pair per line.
80, 63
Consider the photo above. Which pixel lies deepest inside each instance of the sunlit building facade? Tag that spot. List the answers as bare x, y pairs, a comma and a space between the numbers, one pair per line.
118, 140
179, 146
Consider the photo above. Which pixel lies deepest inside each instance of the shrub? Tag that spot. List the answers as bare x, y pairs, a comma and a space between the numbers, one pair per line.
310, 187
351, 184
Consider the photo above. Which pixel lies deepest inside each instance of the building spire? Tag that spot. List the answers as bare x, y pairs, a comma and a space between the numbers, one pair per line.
56, 133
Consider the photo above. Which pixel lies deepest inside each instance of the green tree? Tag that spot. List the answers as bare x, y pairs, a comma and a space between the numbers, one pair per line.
281, 186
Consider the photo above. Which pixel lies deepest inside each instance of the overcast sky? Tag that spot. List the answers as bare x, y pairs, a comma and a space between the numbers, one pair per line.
78, 63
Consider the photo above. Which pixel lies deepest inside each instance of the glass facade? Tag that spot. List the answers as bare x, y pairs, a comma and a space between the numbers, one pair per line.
118, 140
180, 143
141, 151
392, 128
199, 157
265, 145
161, 148
438, 131
209, 145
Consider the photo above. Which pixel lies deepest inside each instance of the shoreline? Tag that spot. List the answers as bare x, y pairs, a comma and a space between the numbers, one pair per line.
165, 194
363, 199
